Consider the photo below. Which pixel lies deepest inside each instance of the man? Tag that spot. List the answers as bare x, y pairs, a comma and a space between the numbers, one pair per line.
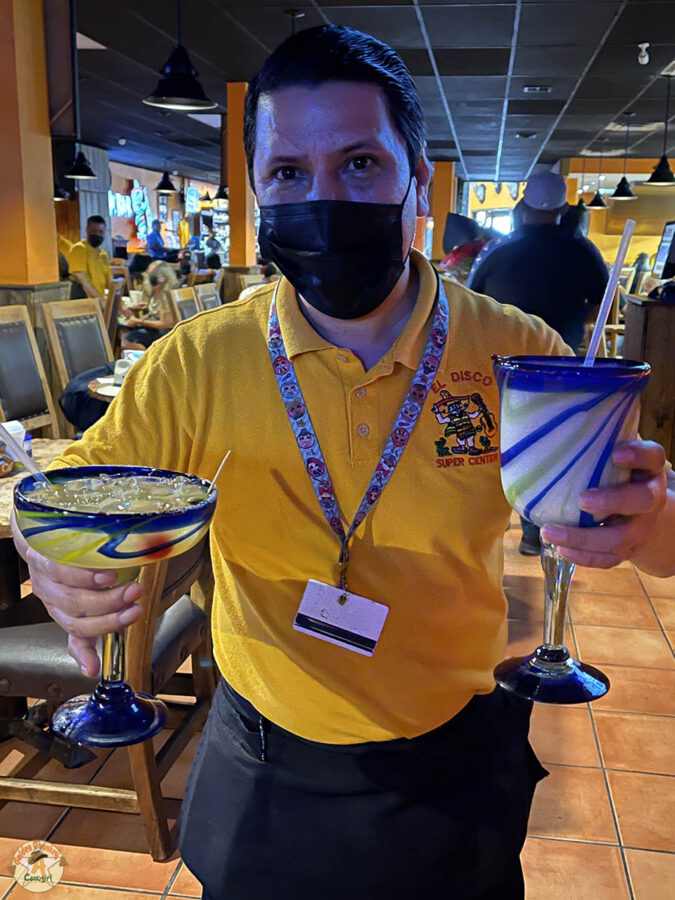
88, 262
155, 242
270, 275
381, 762
212, 242
544, 270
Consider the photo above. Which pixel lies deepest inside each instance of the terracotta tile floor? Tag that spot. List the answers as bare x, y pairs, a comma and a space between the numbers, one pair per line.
602, 824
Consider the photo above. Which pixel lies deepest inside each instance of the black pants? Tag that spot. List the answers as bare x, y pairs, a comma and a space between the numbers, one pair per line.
441, 817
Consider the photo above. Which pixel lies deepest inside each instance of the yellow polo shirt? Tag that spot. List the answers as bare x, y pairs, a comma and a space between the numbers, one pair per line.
431, 550
93, 261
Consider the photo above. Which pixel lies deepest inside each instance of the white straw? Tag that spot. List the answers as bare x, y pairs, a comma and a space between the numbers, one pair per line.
603, 313
21, 454
220, 469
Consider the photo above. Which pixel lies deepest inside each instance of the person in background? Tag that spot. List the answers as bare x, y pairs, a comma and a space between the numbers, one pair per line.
76, 291
63, 245
155, 242
212, 242
160, 318
574, 220
642, 264
88, 262
138, 266
544, 271
185, 266
270, 274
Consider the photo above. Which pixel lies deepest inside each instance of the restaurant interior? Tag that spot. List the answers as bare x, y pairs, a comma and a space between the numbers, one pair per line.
508, 89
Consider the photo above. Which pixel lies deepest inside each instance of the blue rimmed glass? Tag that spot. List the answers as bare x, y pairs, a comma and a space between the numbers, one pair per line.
113, 716
560, 421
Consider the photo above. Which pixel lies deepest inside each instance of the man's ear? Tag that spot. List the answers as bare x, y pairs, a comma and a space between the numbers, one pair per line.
423, 172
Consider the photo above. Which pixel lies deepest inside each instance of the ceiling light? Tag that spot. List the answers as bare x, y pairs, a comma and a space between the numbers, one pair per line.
537, 89
80, 168
526, 135
597, 202
60, 193
222, 194
178, 86
165, 185
623, 191
82, 42
663, 174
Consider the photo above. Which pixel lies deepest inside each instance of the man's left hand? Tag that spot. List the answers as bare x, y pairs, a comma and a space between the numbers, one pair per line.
631, 511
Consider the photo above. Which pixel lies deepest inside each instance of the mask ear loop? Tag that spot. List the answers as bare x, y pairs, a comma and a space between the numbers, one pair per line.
403, 203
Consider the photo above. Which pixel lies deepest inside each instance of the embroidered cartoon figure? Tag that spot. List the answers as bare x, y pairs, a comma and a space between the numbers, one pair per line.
296, 408
337, 526
315, 468
437, 337
281, 365
373, 493
408, 412
275, 340
418, 393
465, 423
325, 494
305, 439
289, 390
429, 364
399, 437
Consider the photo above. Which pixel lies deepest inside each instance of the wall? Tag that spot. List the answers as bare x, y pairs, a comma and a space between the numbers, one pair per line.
654, 207
493, 200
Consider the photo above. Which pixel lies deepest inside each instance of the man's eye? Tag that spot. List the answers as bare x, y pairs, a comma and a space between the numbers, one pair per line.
285, 173
359, 163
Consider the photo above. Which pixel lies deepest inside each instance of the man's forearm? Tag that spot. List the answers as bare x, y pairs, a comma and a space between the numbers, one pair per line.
86, 284
658, 557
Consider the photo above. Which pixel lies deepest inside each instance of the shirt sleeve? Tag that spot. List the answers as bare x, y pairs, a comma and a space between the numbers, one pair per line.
139, 428
77, 259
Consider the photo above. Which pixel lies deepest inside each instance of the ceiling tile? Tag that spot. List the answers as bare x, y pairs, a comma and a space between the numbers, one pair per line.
469, 26
564, 24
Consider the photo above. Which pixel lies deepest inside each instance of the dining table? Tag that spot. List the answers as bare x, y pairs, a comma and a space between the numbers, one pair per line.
104, 389
45, 451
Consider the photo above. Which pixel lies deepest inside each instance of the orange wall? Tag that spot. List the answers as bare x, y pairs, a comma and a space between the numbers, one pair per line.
241, 200
27, 224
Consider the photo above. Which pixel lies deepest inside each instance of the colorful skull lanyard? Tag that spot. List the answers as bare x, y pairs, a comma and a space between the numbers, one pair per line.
404, 424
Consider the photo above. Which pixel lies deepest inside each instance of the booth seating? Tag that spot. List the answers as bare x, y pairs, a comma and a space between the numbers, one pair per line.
208, 295
77, 336
186, 303
24, 392
34, 662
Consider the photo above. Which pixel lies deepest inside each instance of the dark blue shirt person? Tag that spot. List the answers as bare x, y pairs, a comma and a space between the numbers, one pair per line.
155, 242
542, 268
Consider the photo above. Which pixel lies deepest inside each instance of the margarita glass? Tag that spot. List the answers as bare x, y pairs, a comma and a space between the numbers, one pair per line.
560, 421
112, 517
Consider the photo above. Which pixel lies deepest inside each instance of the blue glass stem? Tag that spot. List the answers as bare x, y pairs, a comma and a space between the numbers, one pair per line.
558, 574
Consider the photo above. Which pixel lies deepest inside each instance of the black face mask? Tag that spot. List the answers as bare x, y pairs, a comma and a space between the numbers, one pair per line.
95, 240
154, 280
343, 257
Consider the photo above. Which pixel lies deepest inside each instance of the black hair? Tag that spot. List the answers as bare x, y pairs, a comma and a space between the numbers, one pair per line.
270, 270
213, 261
96, 220
156, 222
139, 263
337, 53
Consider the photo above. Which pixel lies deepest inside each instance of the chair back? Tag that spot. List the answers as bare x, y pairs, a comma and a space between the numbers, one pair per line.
185, 302
208, 295
121, 272
626, 277
112, 307
24, 393
642, 277
78, 339
195, 278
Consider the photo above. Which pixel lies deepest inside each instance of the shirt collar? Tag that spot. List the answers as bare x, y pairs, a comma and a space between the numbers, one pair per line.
300, 337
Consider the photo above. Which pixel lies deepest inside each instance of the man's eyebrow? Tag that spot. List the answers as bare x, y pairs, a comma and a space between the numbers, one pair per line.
280, 159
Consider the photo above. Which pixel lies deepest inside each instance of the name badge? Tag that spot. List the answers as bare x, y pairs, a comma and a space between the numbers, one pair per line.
340, 617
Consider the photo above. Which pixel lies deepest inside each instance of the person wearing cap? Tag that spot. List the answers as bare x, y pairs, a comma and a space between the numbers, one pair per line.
155, 242
546, 271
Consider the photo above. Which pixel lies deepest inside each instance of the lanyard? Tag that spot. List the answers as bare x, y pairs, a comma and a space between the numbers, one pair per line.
308, 443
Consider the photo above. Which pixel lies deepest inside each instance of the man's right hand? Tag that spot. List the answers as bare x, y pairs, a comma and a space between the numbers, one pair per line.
82, 601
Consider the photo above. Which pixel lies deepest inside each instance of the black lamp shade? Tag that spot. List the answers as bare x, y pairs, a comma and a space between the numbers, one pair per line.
165, 185
597, 202
206, 197
662, 173
178, 86
623, 191
222, 193
80, 168
60, 193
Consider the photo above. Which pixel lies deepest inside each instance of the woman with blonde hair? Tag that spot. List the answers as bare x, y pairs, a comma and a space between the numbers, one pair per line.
160, 317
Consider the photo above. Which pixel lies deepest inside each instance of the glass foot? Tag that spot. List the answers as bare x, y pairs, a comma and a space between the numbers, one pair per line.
113, 716
551, 677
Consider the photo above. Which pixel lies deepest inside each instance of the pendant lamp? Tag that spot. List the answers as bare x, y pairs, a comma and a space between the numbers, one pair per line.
623, 190
206, 197
60, 194
178, 86
597, 202
80, 168
663, 174
166, 186
222, 194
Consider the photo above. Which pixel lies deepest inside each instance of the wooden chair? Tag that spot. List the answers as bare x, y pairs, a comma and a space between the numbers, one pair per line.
77, 336
195, 278
116, 287
24, 392
220, 282
626, 277
122, 272
34, 660
642, 277
208, 296
615, 325
186, 303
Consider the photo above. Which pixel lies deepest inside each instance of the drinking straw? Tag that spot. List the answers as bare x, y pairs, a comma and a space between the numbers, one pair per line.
220, 469
23, 457
603, 312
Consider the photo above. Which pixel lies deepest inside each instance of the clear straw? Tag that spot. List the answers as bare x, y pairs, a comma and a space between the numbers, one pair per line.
22, 456
220, 469
605, 306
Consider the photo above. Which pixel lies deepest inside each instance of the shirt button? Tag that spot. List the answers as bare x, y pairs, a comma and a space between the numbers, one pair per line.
363, 430
360, 393
341, 358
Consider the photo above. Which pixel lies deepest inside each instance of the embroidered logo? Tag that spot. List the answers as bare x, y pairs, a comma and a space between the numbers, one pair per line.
469, 429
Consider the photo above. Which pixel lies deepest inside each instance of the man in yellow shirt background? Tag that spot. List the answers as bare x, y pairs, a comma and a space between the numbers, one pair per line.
381, 763
88, 262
